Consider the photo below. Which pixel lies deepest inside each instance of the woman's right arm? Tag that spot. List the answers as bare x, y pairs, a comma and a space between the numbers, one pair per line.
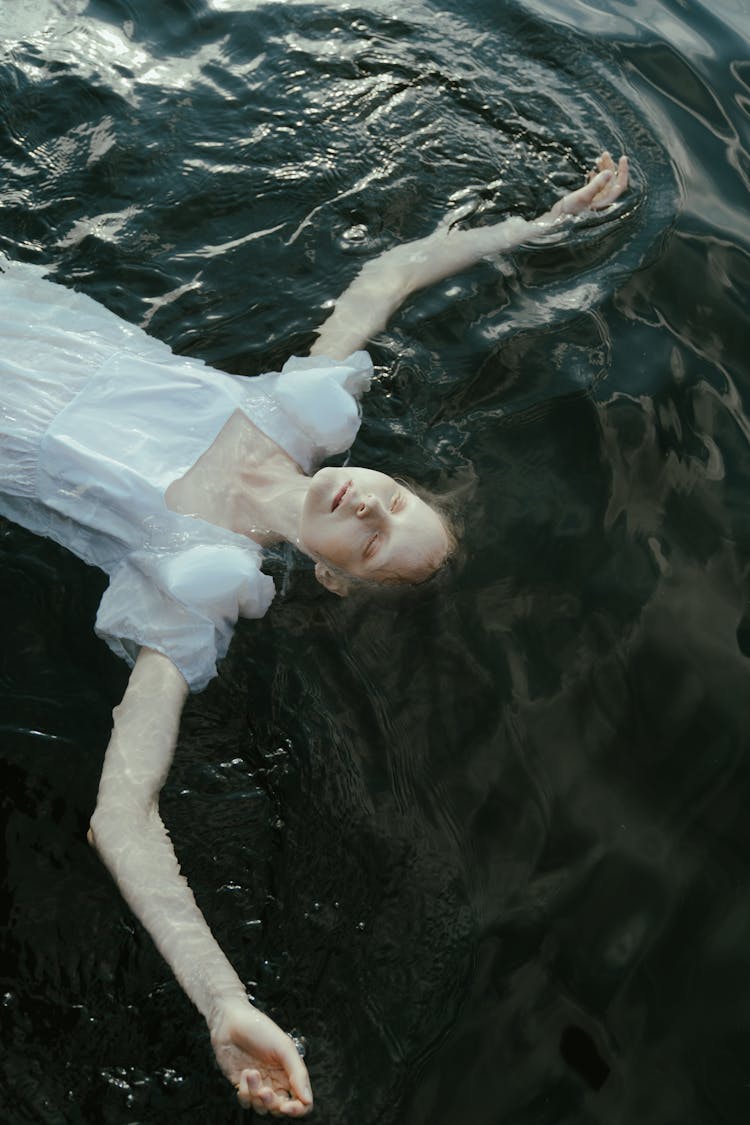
388, 280
127, 831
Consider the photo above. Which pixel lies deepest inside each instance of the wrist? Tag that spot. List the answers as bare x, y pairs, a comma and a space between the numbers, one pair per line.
509, 233
556, 216
226, 1006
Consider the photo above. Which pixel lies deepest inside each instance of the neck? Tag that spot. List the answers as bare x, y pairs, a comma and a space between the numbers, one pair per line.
280, 506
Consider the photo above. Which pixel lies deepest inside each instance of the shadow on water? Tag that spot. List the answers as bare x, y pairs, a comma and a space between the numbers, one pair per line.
487, 852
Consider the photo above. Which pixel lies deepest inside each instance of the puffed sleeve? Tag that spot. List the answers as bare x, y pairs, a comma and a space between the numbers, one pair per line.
184, 604
321, 395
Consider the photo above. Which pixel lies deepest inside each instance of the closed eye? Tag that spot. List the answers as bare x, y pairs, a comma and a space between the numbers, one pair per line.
398, 502
370, 546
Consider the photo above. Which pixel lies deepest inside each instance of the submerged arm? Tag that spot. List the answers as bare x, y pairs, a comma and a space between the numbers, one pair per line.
388, 280
129, 835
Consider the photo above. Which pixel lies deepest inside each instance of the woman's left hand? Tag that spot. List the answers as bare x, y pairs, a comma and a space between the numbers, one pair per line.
262, 1063
604, 186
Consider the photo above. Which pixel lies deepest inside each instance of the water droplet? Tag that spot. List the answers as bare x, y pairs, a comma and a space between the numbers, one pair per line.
299, 1042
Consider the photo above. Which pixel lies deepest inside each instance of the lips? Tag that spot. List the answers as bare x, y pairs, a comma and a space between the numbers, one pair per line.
340, 495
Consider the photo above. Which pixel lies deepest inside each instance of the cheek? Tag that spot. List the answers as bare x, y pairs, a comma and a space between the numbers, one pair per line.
311, 534
335, 547
313, 524
321, 537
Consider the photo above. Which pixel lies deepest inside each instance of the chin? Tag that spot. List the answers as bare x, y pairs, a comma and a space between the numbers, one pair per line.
317, 507
323, 485
330, 472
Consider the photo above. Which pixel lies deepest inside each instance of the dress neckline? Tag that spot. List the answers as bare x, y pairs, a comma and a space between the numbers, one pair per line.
211, 490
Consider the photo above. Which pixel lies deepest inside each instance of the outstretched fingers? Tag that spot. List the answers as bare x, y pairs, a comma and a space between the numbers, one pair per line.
603, 163
582, 198
611, 181
596, 188
604, 185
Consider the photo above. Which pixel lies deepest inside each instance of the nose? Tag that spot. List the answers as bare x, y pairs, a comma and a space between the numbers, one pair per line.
369, 506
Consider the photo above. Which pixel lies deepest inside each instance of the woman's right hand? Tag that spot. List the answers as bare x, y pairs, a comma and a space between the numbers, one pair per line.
605, 184
262, 1062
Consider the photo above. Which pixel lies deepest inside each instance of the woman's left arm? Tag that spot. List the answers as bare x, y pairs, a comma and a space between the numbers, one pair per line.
127, 831
388, 280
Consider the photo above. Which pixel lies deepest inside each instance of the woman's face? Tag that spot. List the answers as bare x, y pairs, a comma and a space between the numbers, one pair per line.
372, 527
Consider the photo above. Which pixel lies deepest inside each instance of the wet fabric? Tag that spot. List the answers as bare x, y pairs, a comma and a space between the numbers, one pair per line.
97, 419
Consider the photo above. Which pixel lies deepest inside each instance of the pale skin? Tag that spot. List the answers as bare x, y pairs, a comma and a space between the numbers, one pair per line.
351, 521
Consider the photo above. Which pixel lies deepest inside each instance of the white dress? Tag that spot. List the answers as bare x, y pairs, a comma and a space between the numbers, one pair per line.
97, 419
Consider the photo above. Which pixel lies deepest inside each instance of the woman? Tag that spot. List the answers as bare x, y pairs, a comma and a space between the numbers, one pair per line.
173, 477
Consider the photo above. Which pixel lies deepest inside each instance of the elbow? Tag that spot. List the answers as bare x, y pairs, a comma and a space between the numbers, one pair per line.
95, 826
390, 278
101, 825
117, 825
99, 831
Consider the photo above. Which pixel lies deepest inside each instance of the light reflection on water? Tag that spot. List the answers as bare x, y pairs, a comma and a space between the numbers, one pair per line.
488, 854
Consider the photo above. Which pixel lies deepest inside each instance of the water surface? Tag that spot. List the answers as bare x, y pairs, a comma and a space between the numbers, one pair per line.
487, 853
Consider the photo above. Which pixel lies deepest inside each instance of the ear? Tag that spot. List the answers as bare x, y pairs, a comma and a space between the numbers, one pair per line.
336, 583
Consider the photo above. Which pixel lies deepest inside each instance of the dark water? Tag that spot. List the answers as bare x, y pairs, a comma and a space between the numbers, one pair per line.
489, 854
